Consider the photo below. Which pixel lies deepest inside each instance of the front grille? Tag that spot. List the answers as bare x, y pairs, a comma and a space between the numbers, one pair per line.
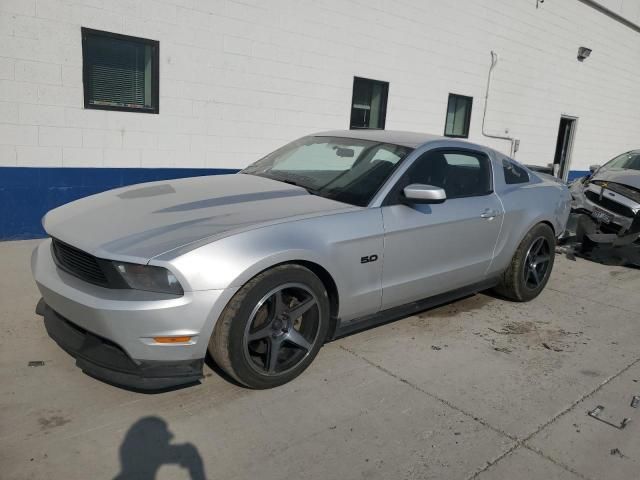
609, 204
624, 190
78, 263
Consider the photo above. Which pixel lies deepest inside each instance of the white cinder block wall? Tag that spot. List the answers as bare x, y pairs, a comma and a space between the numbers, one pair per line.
239, 78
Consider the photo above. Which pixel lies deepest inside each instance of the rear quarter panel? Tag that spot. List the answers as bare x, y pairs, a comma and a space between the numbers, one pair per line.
526, 205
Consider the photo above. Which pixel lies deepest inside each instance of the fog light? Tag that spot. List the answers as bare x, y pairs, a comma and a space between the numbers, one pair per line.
172, 339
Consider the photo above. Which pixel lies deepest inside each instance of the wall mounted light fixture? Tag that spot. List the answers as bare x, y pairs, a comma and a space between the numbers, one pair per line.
583, 52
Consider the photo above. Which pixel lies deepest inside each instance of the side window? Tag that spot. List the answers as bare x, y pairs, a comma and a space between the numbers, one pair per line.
514, 173
460, 173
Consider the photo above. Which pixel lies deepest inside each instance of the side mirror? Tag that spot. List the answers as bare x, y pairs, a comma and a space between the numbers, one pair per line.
593, 168
419, 193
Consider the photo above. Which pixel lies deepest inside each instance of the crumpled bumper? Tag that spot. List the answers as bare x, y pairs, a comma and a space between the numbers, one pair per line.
107, 361
587, 219
112, 332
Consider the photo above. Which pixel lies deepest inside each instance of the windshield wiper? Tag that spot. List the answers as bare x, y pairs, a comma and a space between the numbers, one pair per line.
291, 182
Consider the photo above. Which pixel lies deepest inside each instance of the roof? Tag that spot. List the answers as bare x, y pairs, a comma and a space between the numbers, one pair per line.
395, 137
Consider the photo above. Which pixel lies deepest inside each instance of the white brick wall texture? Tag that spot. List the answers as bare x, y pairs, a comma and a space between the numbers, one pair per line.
240, 78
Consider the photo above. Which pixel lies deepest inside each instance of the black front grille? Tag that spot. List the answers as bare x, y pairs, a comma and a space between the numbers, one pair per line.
609, 204
624, 190
78, 263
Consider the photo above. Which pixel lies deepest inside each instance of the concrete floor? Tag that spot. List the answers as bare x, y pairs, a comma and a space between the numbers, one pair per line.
481, 388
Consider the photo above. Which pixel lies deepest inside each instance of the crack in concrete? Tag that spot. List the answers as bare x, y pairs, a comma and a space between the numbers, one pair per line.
429, 394
573, 295
567, 410
517, 442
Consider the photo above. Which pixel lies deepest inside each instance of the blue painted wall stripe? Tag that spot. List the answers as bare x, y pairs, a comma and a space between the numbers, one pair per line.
573, 174
27, 193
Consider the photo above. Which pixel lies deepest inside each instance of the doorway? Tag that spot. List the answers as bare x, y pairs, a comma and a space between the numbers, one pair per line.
564, 146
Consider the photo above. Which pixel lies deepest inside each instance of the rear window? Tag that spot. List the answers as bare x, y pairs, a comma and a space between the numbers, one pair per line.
514, 173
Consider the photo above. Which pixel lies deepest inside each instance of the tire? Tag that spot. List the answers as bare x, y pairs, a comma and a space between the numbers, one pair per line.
519, 283
260, 340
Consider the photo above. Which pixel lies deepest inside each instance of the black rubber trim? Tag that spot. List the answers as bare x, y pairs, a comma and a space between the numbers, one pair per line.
402, 311
112, 279
107, 361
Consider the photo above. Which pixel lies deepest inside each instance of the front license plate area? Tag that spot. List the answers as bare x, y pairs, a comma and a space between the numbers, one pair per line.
601, 215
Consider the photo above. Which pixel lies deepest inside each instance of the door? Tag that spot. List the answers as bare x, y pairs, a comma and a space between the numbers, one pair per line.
564, 145
434, 248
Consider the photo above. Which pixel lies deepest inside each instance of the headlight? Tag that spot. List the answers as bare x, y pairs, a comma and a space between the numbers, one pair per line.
149, 278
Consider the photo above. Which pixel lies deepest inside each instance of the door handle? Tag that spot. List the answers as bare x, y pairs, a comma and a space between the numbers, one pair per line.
489, 213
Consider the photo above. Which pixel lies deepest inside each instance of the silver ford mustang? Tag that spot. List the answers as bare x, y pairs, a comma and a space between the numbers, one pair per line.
332, 233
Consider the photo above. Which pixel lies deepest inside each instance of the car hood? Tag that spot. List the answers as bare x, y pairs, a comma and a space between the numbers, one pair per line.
624, 176
142, 221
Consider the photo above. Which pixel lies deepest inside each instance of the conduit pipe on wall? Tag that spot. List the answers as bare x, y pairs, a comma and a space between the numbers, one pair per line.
513, 149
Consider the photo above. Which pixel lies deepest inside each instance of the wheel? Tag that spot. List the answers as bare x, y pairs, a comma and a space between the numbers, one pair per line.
531, 265
272, 328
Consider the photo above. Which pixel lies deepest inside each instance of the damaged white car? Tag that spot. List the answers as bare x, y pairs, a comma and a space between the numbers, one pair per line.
606, 204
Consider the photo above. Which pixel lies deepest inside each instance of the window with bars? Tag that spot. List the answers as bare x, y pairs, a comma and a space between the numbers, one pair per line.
120, 72
458, 116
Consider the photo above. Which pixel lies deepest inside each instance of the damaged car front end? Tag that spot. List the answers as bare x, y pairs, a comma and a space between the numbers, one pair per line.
606, 204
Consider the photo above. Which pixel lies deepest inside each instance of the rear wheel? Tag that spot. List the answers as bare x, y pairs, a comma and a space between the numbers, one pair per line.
273, 327
531, 265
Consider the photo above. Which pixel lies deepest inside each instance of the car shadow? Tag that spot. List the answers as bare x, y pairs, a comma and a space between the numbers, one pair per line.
605, 254
147, 447
211, 363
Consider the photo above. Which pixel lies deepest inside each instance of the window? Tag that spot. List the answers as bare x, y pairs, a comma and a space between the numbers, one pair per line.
627, 161
459, 173
348, 170
321, 156
514, 173
119, 72
458, 116
369, 104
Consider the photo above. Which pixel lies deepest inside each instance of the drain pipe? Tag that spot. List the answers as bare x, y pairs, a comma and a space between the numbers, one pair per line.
513, 141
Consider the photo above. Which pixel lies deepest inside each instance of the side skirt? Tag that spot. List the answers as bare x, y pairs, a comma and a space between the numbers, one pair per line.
396, 313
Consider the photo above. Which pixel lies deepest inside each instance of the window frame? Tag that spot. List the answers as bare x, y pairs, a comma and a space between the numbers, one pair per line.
467, 122
383, 107
393, 197
505, 161
155, 71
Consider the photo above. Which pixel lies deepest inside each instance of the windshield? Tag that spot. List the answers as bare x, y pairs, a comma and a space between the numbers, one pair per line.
343, 169
626, 161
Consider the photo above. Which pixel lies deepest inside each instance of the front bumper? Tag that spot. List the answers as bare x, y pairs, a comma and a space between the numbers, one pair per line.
128, 320
619, 229
106, 361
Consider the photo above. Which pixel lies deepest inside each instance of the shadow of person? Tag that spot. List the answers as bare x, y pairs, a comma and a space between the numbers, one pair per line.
146, 448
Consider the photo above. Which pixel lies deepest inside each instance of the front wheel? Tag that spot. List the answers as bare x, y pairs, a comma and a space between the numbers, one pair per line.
272, 328
531, 265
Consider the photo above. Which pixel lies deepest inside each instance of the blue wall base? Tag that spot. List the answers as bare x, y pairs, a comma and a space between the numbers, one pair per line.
573, 174
27, 193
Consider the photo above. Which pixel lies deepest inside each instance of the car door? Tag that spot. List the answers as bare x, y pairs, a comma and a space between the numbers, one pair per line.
435, 248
